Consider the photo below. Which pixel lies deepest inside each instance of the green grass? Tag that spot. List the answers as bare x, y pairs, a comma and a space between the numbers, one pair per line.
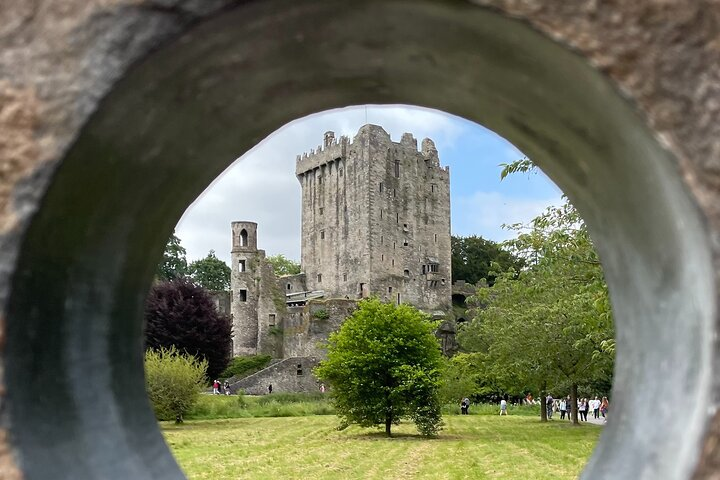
210, 407
469, 447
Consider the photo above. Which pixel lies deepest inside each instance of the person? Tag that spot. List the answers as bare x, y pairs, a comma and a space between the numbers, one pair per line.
322, 388
568, 407
549, 406
216, 387
226, 387
604, 406
584, 408
503, 407
563, 405
465, 406
596, 407
270, 388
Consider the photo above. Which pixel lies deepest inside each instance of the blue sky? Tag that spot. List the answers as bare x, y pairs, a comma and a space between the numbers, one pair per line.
261, 186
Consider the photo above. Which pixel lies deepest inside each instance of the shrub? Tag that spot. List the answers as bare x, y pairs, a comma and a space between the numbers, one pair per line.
244, 366
173, 381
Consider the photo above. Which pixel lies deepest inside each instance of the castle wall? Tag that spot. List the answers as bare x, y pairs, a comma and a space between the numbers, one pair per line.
307, 328
289, 375
376, 219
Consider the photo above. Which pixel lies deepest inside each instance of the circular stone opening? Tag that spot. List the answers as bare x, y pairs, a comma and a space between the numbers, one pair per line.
183, 114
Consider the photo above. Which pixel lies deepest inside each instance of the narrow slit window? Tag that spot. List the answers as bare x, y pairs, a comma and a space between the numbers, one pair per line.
319, 278
322, 234
271, 319
241, 266
243, 238
243, 295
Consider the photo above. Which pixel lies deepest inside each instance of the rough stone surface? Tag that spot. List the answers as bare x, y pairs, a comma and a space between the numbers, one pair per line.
288, 375
59, 59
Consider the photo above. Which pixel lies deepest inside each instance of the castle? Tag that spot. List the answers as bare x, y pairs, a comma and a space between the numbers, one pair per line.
375, 222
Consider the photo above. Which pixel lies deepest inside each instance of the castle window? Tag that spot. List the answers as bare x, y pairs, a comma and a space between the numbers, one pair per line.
405, 243
319, 180
241, 265
322, 234
442, 281
393, 245
340, 172
433, 267
322, 210
271, 320
436, 238
397, 217
393, 262
398, 299
299, 369
344, 277
319, 278
243, 295
381, 214
382, 258
382, 239
433, 187
424, 269
389, 289
406, 272
289, 286
381, 187
394, 193
397, 168
243, 238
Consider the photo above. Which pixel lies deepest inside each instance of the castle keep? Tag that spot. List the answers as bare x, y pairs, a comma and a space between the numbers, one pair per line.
375, 221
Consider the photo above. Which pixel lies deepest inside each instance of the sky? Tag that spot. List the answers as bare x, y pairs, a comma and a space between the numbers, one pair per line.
261, 186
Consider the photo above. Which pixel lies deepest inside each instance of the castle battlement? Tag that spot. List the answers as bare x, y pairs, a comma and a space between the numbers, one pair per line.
331, 150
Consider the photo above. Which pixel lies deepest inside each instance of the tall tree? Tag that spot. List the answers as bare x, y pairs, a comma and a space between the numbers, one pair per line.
384, 364
473, 256
210, 273
181, 314
173, 264
283, 266
551, 323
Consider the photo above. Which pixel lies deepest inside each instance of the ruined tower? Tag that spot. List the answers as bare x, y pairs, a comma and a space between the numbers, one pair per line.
244, 302
376, 219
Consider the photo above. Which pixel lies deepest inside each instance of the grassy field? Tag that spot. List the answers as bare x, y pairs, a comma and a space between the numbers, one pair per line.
472, 447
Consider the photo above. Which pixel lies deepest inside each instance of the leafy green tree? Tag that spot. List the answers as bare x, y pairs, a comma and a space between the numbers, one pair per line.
384, 364
182, 314
549, 324
173, 382
211, 273
173, 264
283, 266
473, 256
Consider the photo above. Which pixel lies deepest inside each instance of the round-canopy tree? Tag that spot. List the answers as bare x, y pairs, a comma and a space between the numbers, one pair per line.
181, 314
384, 364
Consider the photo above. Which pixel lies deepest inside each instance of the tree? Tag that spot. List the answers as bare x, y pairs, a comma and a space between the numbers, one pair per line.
210, 273
549, 324
283, 266
174, 263
384, 364
473, 256
173, 382
182, 314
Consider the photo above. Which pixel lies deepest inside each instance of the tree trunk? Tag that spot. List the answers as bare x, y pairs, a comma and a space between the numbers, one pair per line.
388, 425
573, 402
543, 403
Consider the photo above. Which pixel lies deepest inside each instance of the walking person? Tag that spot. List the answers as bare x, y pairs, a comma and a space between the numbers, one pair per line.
568, 407
584, 408
604, 407
465, 406
596, 408
216, 387
549, 406
226, 387
563, 406
503, 407
270, 388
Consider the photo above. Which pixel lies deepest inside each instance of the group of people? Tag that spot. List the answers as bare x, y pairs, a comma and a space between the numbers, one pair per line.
219, 389
584, 406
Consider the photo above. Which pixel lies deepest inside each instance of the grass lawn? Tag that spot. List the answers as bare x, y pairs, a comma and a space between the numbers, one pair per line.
473, 447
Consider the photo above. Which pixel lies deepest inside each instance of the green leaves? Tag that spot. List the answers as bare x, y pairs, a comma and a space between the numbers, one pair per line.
210, 273
283, 266
383, 364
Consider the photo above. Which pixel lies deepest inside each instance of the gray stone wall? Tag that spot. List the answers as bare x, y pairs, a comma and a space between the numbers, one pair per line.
306, 329
292, 283
376, 219
289, 375
221, 299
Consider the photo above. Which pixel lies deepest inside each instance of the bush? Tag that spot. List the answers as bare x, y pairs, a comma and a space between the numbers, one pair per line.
244, 366
173, 381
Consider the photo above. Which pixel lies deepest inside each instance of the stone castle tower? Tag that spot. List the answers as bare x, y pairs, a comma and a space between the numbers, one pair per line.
376, 219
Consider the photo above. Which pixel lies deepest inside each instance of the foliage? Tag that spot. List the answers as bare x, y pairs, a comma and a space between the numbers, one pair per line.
173, 382
384, 364
173, 264
512, 447
243, 366
275, 405
283, 266
210, 273
550, 324
183, 314
524, 165
321, 314
473, 256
